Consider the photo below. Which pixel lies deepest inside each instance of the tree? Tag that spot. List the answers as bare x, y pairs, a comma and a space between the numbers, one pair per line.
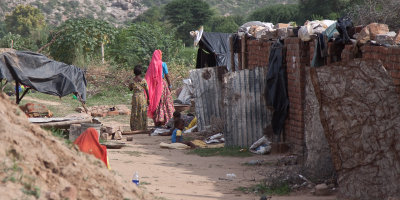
24, 20
326, 9
222, 24
187, 15
79, 40
152, 15
380, 11
136, 44
276, 14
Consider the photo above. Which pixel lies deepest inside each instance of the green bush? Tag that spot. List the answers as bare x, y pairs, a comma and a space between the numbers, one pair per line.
80, 40
135, 44
276, 14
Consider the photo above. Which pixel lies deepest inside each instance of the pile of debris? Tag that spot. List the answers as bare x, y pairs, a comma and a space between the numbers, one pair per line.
105, 110
267, 31
36, 165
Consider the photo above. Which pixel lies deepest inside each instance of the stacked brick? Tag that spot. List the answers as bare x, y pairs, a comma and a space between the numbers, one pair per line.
257, 53
104, 110
389, 56
297, 58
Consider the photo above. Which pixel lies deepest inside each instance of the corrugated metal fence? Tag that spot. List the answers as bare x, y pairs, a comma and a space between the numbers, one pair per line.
237, 98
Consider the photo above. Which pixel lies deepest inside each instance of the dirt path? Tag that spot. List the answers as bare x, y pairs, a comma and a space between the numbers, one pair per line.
176, 175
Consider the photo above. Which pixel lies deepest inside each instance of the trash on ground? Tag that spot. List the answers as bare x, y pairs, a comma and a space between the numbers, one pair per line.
261, 146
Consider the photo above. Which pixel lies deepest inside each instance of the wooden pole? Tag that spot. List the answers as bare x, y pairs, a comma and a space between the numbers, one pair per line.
243, 40
232, 53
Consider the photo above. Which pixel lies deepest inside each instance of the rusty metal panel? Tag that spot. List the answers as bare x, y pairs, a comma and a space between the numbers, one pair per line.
207, 94
244, 106
237, 98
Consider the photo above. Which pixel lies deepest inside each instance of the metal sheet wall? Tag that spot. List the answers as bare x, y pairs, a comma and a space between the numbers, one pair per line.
207, 94
245, 106
238, 100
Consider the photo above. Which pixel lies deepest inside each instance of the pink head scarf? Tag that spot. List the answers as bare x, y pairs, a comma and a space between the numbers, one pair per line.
154, 82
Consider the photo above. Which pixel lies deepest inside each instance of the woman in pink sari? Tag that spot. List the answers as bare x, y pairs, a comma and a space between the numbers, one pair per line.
161, 106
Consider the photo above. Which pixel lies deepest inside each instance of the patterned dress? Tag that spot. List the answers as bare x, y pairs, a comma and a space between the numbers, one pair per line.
139, 105
165, 108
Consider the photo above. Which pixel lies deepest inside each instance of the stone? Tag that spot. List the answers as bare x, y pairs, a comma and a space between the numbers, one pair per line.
386, 39
118, 135
52, 196
80, 109
318, 164
322, 190
113, 113
282, 33
369, 32
281, 25
69, 192
396, 39
267, 35
360, 115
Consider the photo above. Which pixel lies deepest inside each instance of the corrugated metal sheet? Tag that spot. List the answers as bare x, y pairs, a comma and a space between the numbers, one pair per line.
245, 106
207, 93
238, 99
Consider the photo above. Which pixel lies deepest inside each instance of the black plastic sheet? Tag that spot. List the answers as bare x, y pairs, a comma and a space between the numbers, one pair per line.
42, 74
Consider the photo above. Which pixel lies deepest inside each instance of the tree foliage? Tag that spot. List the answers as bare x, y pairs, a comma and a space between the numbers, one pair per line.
187, 15
276, 14
24, 19
222, 24
380, 11
326, 9
80, 39
152, 15
136, 44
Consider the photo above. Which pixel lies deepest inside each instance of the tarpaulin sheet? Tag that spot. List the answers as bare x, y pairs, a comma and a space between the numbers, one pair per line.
217, 50
42, 74
276, 89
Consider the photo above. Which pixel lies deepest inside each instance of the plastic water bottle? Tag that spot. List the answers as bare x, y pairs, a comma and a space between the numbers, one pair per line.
135, 178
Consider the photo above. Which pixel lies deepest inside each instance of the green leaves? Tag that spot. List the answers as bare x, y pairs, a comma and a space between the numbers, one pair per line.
187, 15
24, 19
276, 14
135, 44
81, 39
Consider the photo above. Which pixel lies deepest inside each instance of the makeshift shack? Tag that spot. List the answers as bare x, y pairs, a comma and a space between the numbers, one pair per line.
42, 74
214, 50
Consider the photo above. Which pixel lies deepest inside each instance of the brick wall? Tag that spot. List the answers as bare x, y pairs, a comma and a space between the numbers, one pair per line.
297, 58
257, 53
390, 57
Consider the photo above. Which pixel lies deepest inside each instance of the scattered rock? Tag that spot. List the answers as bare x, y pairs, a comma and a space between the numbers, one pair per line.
69, 192
369, 32
104, 136
52, 196
322, 190
118, 135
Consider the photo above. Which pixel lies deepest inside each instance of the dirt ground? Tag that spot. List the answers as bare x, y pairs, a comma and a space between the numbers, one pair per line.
176, 175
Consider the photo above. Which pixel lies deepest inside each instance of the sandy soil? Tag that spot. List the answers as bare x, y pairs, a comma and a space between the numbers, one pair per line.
176, 175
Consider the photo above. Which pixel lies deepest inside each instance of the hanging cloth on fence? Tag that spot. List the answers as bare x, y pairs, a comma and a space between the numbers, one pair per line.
276, 88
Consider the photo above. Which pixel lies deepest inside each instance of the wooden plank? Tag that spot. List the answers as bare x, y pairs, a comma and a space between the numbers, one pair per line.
136, 132
64, 124
243, 49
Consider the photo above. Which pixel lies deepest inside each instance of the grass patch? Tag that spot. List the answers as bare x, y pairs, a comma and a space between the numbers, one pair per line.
224, 151
263, 189
59, 133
